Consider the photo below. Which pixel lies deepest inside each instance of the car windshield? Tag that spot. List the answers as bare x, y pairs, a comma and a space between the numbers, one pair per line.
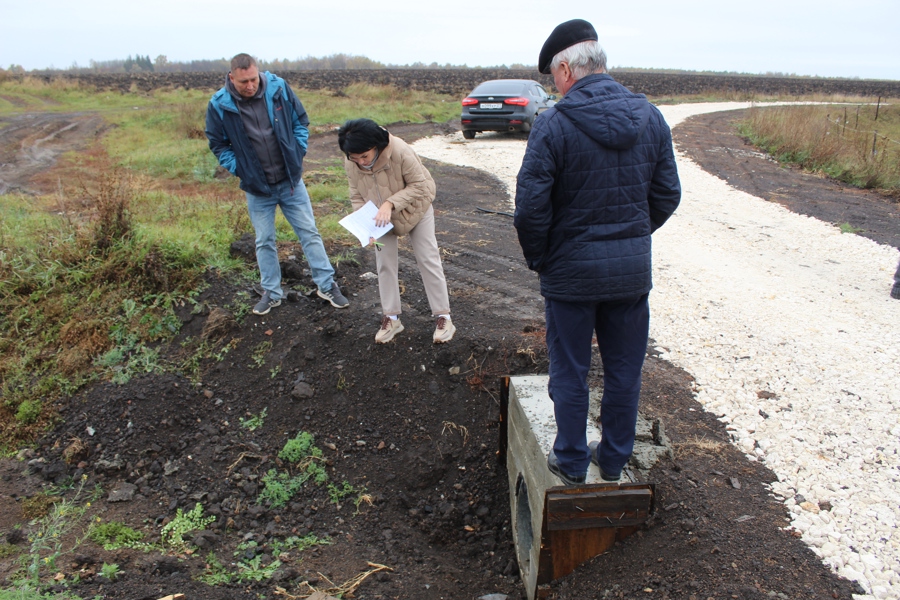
499, 88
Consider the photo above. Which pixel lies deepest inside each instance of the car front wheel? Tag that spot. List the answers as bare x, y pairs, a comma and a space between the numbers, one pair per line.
468, 134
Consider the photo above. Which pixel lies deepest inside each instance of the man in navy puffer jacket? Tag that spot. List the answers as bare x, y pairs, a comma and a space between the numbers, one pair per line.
598, 178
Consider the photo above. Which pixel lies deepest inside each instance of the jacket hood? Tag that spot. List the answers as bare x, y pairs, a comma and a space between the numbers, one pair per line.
606, 111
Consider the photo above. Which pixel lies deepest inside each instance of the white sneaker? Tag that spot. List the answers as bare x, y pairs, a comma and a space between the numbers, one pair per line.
389, 328
444, 330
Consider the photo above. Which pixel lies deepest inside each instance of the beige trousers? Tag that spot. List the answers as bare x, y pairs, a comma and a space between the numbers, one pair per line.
428, 259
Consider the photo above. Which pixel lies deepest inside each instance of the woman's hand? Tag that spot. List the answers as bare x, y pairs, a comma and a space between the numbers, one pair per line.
383, 217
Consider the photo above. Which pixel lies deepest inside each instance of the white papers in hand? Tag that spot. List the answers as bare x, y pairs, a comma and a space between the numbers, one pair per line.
361, 223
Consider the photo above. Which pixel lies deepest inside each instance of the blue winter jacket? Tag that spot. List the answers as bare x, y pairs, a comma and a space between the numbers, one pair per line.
230, 144
598, 178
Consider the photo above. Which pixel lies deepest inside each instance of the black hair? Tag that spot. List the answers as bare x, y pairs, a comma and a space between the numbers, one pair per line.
361, 135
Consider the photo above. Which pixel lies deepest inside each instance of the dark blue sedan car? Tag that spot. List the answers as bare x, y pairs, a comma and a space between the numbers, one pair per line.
504, 105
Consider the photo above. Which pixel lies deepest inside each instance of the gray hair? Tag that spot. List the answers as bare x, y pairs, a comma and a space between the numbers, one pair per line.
584, 58
242, 61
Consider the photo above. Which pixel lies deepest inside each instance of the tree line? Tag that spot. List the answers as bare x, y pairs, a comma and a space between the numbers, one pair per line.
161, 64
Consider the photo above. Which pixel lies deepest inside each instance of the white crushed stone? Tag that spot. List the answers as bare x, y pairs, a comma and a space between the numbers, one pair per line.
752, 298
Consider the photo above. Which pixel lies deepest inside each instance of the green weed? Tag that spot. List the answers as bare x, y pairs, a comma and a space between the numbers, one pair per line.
255, 421
297, 543
304, 459
259, 353
7, 550
110, 571
254, 570
215, 573
337, 494
172, 533
53, 535
346, 256
299, 448
28, 411
241, 307
279, 488
114, 535
24, 591
848, 228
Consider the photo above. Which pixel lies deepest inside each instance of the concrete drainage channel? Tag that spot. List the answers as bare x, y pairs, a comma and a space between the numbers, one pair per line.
557, 527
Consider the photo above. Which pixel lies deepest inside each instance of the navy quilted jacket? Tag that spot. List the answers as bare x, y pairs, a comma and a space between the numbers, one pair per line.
598, 178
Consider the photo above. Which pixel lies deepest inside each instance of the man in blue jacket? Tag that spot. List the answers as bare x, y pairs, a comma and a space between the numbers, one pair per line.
257, 128
598, 178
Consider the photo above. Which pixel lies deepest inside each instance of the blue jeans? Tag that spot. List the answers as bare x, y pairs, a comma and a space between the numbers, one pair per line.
297, 209
622, 328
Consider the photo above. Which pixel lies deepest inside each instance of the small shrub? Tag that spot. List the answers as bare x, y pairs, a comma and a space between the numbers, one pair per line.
28, 412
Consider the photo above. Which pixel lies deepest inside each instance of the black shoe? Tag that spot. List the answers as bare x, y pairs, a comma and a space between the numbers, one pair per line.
895, 292
595, 458
553, 465
334, 296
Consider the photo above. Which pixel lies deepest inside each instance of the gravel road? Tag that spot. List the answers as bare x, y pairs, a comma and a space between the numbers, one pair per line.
793, 340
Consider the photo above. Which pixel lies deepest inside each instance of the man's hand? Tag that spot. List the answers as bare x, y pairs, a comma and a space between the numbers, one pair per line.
383, 217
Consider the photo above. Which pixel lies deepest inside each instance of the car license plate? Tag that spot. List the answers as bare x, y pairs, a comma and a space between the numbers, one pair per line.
490, 105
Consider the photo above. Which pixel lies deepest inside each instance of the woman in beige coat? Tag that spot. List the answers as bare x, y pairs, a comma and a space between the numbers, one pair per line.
384, 169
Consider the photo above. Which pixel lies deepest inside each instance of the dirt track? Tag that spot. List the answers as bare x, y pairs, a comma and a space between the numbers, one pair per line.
30, 143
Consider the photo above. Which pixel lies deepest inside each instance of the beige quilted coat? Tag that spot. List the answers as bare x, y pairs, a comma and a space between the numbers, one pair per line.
398, 176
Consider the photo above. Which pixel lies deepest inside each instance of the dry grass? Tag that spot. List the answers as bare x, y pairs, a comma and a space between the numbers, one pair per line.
858, 144
698, 445
345, 590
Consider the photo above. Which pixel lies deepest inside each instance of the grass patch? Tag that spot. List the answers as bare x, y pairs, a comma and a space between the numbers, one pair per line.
383, 104
86, 295
858, 144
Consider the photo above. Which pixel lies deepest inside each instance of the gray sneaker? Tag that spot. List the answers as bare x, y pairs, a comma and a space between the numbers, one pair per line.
265, 304
334, 296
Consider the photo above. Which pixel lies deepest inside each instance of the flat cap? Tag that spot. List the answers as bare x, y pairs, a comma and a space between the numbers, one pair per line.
565, 35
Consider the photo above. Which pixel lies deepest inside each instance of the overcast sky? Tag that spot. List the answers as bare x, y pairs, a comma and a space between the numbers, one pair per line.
805, 37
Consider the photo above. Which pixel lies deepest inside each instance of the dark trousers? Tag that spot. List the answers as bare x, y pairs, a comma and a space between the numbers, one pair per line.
622, 328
